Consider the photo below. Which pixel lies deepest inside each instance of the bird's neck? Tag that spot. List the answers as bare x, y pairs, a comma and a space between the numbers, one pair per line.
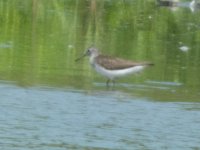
92, 60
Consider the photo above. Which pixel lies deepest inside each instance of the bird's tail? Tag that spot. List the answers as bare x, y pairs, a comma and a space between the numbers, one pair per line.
148, 64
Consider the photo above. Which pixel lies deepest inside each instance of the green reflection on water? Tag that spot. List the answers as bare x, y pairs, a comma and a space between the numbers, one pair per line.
39, 41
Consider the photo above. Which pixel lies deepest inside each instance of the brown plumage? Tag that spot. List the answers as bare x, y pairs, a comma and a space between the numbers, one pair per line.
114, 63
112, 67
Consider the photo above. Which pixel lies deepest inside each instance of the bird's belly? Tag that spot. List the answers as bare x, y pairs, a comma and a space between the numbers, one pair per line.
111, 74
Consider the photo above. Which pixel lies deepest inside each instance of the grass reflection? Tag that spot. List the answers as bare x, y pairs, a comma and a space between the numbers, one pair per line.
39, 40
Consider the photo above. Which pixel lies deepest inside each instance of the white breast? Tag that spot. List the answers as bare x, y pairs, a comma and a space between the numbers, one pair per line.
112, 74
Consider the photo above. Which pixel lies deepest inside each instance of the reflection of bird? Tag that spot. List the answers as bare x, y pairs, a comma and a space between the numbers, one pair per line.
112, 67
167, 3
194, 5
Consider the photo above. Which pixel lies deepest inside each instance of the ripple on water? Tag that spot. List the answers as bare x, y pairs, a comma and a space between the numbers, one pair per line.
47, 118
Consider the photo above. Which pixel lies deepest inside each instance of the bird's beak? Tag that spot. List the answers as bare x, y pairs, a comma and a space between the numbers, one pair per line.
80, 57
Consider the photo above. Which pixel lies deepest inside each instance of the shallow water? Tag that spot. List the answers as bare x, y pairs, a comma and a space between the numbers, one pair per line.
49, 101
50, 118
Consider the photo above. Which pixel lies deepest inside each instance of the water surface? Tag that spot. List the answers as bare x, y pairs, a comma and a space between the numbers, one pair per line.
48, 118
49, 101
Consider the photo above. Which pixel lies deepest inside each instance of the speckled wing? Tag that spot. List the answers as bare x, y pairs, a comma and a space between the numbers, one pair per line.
113, 63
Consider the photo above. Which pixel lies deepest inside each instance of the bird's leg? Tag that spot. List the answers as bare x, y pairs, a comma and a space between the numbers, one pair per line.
113, 81
113, 84
107, 82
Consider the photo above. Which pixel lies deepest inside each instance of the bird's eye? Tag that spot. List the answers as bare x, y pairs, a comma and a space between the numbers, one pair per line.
88, 51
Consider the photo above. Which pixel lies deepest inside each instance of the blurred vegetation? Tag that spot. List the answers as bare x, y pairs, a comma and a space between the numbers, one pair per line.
39, 40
